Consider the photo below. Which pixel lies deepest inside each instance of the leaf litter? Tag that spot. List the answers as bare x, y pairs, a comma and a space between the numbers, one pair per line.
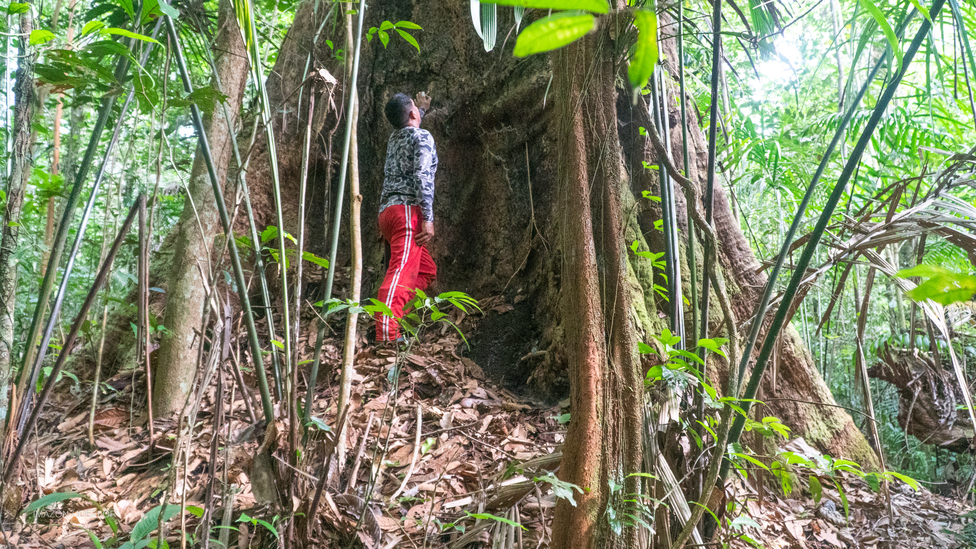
464, 458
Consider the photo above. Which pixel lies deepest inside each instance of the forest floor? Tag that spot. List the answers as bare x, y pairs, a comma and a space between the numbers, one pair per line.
481, 454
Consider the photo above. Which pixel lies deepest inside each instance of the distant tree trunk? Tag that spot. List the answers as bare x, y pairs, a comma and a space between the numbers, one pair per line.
25, 105
603, 442
193, 249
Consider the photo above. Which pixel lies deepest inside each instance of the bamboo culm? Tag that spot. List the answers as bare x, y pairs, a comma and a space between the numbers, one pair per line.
343, 170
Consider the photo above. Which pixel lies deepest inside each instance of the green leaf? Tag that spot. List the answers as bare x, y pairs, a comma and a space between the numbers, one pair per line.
888, 31
91, 27
553, 32
561, 488
128, 34
906, 479
816, 489
319, 424
751, 460
40, 36
410, 39
873, 482
43, 502
312, 258
645, 50
487, 516
843, 499
922, 10
150, 521
278, 344
168, 9
384, 38
942, 285
407, 25
195, 511
16, 8
595, 6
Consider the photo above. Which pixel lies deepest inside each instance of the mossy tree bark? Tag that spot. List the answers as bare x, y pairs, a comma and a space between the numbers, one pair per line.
199, 225
604, 439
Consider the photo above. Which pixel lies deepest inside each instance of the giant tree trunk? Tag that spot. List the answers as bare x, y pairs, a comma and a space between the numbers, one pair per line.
198, 226
25, 104
603, 442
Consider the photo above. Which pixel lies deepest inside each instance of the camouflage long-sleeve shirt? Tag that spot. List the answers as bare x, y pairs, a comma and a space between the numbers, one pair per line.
411, 162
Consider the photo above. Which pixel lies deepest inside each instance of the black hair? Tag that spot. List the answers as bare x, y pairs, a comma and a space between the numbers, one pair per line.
398, 110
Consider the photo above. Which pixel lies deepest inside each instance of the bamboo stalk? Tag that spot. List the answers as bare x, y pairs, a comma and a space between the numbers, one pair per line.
759, 317
108, 288
144, 335
350, 85
257, 73
712, 140
252, 225
814, 240
239, 279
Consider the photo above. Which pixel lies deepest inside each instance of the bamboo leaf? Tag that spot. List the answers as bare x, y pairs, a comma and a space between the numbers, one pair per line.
886, 28
128, 34
646, 50
816, 489
553, 32
595, 6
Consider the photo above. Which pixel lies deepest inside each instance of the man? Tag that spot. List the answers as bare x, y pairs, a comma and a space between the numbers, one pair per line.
406, 209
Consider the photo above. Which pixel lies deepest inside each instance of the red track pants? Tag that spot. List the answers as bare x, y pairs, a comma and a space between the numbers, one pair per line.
411, 267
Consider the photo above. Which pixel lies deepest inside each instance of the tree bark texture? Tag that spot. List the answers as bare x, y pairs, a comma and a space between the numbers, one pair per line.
603, 442
25, 106
198, 226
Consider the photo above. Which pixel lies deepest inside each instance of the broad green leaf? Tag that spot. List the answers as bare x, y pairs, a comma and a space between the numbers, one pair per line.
319, 424
312, 258
645, 50
886, 28
595, 6
150, 521
906, 479
553, 32
16, 8
167, 9
128, 34
195, 511
873, 482
816, 489
942, 285
91, 27
40, 36
43, 502
410, 39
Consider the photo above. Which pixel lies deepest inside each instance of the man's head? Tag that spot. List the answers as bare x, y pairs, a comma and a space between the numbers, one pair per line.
400, 109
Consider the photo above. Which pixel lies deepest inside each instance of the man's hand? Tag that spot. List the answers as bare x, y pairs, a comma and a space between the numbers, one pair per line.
426, 233
423, 102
